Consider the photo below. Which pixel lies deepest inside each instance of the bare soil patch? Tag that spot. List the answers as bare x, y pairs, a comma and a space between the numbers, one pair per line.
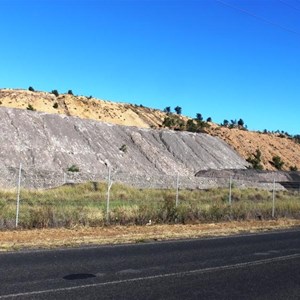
81, 236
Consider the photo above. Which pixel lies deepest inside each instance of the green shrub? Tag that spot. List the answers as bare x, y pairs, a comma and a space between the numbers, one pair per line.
167, 109
277, 162
168, 122
178, 110
123, 148
255, 160
55, 92
191, 126
30, 107
73, 168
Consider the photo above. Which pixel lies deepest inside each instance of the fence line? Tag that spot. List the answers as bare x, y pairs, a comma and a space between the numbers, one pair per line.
18, 195
30, 177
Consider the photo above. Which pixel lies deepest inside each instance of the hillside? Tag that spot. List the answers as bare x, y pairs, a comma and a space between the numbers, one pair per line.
48, 144
83, 107
244, 142
270, 145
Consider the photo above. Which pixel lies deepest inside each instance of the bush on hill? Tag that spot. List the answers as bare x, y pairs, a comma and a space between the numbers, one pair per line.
255, 160
277, 162
55, 92
30, 107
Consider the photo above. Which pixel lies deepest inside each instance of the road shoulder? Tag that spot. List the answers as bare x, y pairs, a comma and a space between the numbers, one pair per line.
12, 240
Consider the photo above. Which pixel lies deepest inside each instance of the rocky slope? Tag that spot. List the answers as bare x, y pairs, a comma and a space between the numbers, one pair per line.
244, 142
52, 143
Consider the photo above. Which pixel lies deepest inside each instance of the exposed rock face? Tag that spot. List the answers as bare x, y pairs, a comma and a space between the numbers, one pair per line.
52, 143
252, 175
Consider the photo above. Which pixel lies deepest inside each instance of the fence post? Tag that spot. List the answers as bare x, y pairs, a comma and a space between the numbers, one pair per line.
230, 192
109, 184
273, 199
177, 190
18, 195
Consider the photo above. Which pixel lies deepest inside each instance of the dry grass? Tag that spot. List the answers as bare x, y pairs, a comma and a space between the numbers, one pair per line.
79, 236
85, 205
75, 215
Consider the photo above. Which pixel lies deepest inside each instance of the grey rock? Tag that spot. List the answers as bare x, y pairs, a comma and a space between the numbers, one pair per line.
252, 175
47, 145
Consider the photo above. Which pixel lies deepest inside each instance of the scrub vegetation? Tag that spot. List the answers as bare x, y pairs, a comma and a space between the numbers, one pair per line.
85, 205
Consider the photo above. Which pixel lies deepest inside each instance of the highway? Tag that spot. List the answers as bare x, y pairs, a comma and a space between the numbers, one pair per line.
254, 266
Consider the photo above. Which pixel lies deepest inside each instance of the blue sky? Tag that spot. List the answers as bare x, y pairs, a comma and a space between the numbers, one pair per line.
226, 59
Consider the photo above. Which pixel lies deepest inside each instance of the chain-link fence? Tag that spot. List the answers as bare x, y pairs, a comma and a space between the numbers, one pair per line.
44, 198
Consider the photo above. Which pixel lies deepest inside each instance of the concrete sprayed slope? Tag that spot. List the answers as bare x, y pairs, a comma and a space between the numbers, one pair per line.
55, 142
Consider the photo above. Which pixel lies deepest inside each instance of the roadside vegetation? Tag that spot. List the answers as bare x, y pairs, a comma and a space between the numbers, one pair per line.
85, 205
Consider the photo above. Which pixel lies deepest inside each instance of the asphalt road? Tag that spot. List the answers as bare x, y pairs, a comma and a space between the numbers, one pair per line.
261, 266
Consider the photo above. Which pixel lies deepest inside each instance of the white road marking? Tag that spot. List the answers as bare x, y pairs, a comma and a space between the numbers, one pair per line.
175, 274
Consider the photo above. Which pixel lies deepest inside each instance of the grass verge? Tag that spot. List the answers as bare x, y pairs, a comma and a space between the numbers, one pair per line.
76, 215
85, 205
13, 240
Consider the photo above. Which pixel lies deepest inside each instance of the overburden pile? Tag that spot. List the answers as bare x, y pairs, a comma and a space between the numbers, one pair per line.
46, 143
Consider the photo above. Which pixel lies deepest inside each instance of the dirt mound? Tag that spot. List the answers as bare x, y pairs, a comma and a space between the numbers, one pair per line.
247, 142
54, 143
83, 107
244, 142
